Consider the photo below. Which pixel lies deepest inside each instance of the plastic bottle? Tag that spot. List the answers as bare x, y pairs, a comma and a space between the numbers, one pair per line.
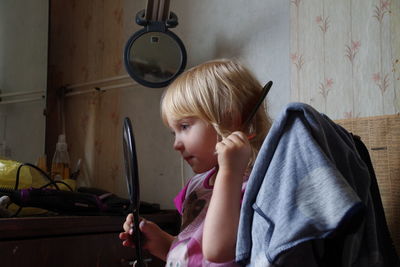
41, 163
60, 163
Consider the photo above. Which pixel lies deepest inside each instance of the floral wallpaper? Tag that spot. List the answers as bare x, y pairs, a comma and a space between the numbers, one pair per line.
345, 56
344, 59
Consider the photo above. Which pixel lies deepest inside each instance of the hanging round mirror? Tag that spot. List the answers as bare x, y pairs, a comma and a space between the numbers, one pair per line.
155, 56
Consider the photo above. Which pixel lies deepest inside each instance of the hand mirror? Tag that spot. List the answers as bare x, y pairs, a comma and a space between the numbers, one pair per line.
132, 181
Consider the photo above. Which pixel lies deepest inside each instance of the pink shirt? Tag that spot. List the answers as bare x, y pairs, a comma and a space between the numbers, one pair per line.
192, 202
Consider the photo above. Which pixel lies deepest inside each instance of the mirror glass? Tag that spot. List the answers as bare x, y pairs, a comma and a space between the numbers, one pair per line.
154, 58
23, 78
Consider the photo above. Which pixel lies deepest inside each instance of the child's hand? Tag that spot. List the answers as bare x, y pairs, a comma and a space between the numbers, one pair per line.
156, 241
234, 152
127, 236
222, 219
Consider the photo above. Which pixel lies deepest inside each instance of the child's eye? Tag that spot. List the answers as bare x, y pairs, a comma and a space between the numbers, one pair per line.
184, 126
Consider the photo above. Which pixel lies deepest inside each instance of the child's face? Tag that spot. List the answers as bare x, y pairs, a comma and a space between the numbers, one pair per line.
195, 139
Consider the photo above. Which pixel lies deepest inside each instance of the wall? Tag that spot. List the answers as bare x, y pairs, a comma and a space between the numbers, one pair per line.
345, 62
23, 67
345, 56
341, 57
86, 44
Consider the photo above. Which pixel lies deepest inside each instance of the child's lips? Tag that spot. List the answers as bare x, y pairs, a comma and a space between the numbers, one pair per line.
188, 158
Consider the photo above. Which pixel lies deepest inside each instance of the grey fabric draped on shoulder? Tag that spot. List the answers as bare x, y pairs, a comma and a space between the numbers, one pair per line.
308, 201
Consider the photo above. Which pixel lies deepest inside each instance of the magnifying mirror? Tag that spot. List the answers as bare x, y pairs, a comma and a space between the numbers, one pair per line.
155, 56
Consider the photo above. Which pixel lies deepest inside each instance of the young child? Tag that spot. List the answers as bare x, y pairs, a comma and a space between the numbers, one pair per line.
205, 108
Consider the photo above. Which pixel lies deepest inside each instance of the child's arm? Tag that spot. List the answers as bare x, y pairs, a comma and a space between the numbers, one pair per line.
156, 241
222, 219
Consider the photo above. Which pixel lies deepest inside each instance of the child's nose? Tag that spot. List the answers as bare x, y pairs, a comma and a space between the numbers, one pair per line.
178, 145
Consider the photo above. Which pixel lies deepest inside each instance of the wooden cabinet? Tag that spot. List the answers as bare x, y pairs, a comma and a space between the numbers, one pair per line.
72, 241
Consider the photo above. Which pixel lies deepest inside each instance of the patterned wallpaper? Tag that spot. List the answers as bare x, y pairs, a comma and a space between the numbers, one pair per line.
345, 56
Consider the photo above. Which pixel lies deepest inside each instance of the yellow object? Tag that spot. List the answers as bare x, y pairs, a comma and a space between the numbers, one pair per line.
70, 182
28, 177
8, 174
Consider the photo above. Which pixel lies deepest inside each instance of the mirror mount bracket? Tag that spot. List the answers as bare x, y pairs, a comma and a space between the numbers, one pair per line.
156, 26
171, 22
141, 18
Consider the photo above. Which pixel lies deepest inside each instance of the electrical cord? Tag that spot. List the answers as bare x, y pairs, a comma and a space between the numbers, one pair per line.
44, 174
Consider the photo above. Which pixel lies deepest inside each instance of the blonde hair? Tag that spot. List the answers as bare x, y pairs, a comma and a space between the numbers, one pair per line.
221, 92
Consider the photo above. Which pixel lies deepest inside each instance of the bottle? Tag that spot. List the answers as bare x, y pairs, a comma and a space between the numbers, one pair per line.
60, 163
41, 163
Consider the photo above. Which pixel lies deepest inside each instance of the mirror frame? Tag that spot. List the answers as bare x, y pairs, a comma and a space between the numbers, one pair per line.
160, 28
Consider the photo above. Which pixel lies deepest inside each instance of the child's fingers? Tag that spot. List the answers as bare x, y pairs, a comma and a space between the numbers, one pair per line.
124, 235
128, 222
128, 243
235, 138
126, 239
142, 225
127, 226
240, 135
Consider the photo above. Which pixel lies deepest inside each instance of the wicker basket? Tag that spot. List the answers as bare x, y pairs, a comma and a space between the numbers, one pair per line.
381, 135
